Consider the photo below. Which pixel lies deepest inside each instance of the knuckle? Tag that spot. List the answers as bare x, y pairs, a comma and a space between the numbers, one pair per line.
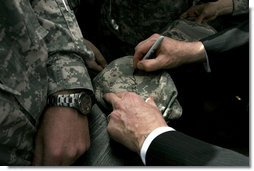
205, 12
109, 128
156, 34
132, 94
114, 114
74, 153
82, 149
118, 105
147, 68
55, 154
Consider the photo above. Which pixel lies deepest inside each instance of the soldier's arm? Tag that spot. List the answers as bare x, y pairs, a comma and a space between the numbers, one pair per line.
67, 52
63, 134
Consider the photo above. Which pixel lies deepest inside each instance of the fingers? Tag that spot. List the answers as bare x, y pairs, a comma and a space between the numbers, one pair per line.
150, 64
113, 125
101, 60
93, 65
122, 100
142, 48
184, 15
112, 98
113, 116
195, 13
200, 19
99, 57
189, 14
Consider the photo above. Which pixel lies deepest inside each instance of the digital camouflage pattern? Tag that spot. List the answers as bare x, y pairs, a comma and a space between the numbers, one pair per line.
188, 30
118, 77
137, 20
64, 41
41, 51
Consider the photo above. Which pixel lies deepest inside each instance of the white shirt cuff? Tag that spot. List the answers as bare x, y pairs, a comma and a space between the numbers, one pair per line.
206, 64
149, 140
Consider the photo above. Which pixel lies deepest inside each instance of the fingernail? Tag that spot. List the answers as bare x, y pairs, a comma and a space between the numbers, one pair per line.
147, 99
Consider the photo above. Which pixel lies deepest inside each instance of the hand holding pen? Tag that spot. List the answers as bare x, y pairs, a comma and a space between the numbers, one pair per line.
166, 53
154, 48
151, 51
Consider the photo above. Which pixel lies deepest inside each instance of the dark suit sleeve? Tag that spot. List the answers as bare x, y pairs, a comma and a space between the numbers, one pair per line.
175, 148
228, 39
233, 42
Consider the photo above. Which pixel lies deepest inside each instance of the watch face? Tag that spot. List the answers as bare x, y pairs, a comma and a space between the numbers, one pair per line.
85, 103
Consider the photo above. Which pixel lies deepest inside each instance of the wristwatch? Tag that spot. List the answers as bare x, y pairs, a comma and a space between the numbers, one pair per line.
82, 101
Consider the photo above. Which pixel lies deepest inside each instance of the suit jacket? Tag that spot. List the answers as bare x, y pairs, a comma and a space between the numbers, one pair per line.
175, 148
228, 43
226, 51
228, 39
228, 54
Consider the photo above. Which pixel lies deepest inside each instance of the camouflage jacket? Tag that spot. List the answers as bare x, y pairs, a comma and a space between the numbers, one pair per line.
41, 51
135, 20
240, 7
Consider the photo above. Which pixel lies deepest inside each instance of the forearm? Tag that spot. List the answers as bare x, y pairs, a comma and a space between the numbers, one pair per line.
193, 52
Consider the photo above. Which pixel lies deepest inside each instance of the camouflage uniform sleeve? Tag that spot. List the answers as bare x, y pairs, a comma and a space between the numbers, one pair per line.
240, 7
67, 53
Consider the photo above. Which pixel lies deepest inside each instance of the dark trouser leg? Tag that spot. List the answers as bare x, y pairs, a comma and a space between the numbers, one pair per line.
103, 151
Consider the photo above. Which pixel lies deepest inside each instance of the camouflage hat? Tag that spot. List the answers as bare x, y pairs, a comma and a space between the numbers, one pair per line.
118, 77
